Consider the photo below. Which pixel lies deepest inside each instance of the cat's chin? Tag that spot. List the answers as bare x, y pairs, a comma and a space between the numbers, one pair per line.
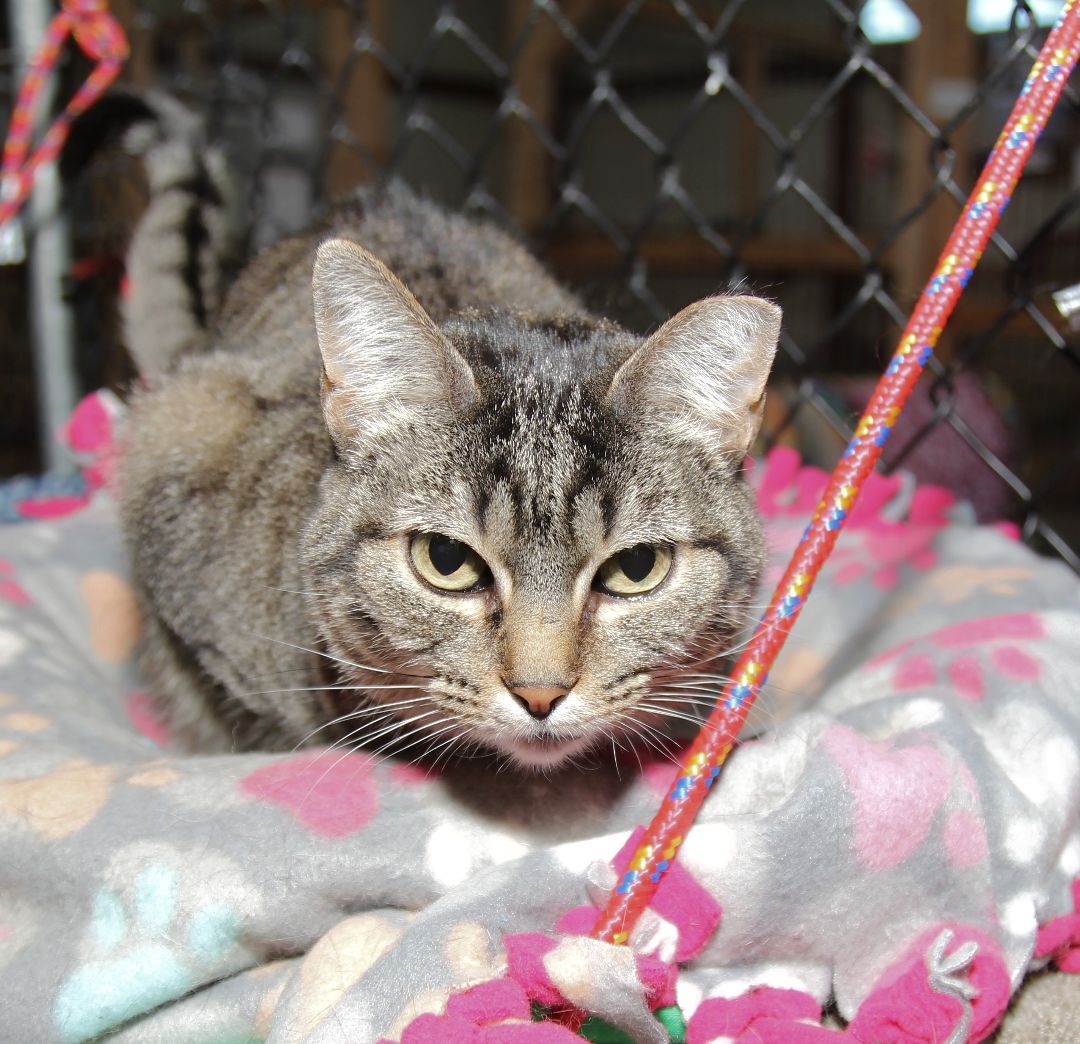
542, 753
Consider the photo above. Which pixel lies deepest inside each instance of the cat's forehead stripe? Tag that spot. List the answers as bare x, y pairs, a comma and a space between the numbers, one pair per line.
542, 447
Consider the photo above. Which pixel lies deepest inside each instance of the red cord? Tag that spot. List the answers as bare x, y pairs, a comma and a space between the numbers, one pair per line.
101, 39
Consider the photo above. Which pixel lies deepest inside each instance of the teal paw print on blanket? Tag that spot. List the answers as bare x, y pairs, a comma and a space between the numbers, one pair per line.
143, 954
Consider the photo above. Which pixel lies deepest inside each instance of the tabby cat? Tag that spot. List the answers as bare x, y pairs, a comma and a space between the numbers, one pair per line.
404, 489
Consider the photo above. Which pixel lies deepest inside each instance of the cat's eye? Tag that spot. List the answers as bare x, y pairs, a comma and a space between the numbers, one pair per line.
634, 570
448, 564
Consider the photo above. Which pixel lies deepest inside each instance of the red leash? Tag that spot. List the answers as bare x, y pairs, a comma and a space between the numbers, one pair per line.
100, 37
970, 235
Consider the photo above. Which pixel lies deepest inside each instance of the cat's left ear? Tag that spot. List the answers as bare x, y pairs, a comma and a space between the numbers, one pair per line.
702, 375
386, 365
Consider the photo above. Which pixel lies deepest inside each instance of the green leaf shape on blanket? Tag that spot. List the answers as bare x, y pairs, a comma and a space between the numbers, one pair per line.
139, 962
601, 1032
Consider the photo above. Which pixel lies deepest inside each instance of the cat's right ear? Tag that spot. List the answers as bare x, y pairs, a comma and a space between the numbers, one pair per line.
386, 365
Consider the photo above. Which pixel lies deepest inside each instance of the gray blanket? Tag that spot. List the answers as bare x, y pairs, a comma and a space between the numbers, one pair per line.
901, 840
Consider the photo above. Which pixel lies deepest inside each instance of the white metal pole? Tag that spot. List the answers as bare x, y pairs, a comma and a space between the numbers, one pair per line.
48, 260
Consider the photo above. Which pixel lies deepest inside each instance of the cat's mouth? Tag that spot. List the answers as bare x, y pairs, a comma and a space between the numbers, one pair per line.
543, 750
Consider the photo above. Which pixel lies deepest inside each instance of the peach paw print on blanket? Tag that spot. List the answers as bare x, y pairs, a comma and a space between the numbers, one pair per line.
114, 615
58, 803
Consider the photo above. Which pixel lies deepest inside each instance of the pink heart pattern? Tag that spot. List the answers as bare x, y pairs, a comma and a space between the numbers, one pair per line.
333, 795
896, 794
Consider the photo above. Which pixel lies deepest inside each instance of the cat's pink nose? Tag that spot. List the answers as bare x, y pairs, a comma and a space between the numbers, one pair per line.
539, 700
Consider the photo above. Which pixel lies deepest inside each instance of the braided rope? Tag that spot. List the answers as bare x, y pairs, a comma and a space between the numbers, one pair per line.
102, 40
969, 237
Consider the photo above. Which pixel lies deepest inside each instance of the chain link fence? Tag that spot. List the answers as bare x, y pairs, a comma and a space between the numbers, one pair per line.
654, 151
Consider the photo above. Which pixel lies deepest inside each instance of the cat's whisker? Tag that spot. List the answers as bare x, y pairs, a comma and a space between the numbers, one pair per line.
467, 751
382, 710
353, 749
414, 725
364, 731
697, 678
637, 758
690, 680
284, 670
667, 712
666, 741
615, 755
738, 647
760, 711
396, 724
329, 724
616, 747
706, 690
724, 654
343, 741
706, 701
426, 736
706, 698
478, 749
379, 706
634, 726
337, 659
382, 752
657, 748
289, 590
703, 683
397, 673
333, 688
633, 750
445, 747
714, 690
761, 714
715, 682
448, 746
740, 605
706, 694
381, 726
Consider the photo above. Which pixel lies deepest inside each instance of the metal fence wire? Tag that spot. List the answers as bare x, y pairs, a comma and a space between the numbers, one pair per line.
654, 151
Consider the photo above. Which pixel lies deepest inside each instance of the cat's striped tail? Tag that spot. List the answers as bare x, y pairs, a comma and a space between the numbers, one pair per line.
182, 231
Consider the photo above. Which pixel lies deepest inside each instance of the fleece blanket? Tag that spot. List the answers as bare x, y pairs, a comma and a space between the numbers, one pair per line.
897, 846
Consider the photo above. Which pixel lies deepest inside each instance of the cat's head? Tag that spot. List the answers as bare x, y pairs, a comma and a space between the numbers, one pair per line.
527, 519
